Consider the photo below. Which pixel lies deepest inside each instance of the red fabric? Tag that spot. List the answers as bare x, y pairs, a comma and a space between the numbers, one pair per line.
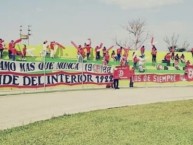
11, 46
123, 72
88, 49
135, 59
1, 45
17, 41
168, 57
119, 50
107, 57
14, 51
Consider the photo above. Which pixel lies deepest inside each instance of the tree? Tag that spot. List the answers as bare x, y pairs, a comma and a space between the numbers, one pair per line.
171, 41
137, 34
184, 47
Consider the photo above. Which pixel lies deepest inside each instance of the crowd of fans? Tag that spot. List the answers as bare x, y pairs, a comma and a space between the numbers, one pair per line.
102, 52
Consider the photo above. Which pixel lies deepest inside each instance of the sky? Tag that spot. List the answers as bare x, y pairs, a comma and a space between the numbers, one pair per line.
100, 20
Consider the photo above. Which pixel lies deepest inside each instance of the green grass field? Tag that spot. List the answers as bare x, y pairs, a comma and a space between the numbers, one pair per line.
155, 124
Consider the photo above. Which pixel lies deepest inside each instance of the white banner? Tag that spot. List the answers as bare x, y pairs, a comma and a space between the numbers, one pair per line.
28, 67
23, 80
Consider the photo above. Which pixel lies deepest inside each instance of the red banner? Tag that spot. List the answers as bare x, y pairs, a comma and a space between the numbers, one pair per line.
123, 72
189, 73
166, 78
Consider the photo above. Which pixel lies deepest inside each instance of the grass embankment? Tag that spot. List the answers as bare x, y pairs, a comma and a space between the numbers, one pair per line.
70, 55
162, 123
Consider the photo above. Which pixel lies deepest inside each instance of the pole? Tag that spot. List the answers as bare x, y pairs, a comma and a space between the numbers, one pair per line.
29, 30
45, 72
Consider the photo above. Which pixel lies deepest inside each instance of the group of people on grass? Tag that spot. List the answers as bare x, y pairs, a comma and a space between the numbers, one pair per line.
12, 51
102, 52
22, 51
172, 56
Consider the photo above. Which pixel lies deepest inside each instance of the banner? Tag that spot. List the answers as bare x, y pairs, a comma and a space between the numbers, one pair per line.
28, 67
165, 78
123, 72
22, 80
189, 73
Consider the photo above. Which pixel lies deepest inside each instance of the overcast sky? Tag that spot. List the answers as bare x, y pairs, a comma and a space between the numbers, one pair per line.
100, 20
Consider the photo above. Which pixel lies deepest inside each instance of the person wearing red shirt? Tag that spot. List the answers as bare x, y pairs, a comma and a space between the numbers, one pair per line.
14, 53
115, 78
135, 60
52, 44
186, 67
154, 54
167, 58
104, 51
88, 48
142, 50
11, 49
24, 51
187, 64
1, 48
80, 52
97, 51
107, 57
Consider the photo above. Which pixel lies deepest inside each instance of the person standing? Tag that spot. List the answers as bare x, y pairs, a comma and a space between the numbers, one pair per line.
88, 49
172, 50
113, 56
52, 44
154, 54
142, 50
119, 52
135, 60
115, 78
97, 51
44, 49
1, 48
24, 50
12, 52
